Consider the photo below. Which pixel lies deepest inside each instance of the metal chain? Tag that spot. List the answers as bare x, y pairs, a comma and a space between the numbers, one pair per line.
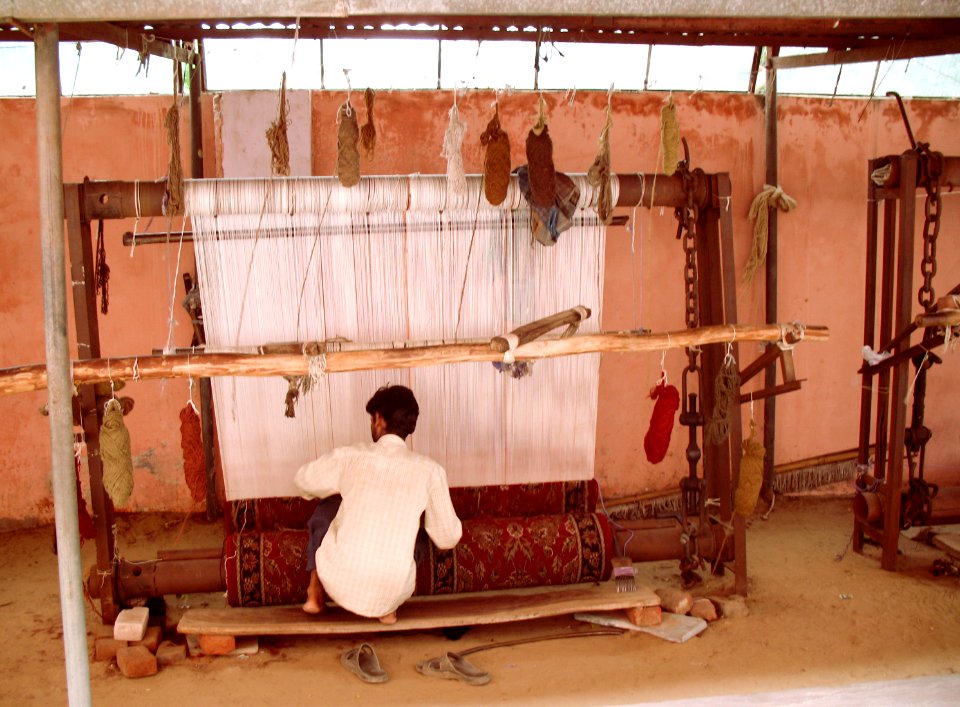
687, 217
931, 164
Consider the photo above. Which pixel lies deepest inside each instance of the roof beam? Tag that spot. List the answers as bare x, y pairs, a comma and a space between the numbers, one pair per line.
125, 39
890, 52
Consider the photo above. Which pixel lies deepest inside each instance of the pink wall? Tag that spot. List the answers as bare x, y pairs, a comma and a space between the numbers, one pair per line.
824, 147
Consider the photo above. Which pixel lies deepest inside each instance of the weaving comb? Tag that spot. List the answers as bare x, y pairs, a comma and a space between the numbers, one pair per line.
624, 575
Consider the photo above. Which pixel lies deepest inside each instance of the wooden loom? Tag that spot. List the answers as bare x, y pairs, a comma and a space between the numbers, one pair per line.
90, 201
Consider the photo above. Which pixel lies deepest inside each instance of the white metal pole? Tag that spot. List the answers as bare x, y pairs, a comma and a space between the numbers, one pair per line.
60, 385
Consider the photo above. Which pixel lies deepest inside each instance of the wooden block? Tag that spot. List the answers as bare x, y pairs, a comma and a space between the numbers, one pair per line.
676, 601
131, 624
644, 615
106, 647
136, 662
704, 609
217, 644
151, 639
169, 653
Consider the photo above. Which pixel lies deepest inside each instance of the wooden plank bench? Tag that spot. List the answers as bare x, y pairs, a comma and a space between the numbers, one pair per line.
469, 609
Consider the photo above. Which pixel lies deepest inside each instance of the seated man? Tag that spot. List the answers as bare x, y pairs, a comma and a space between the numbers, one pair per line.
365, 543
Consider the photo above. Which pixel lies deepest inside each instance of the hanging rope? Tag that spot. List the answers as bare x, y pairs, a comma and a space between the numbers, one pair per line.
115, 454
102, 272
174, 203
770, 197
598, 176
368, 132
669, 137
751, 475
540, 169
277, 136
726, 388
452, 144
348, 155
496, 161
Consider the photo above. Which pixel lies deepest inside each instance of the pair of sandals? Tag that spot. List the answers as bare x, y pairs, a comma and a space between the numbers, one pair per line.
362, 661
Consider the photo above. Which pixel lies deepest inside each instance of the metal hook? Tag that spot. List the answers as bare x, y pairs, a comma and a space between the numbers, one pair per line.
906, 121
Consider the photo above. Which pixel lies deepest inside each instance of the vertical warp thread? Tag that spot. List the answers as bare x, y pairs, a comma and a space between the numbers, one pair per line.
115, 454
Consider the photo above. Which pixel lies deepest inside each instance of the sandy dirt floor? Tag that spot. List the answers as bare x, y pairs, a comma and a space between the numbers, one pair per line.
815, 621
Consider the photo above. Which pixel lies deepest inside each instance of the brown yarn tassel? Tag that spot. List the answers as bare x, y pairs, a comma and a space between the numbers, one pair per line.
175, 169
598, 175
102, 272
726, 388
191, 442
496, 161
751, 475
543, 177
277, 136
368, 133
348, 154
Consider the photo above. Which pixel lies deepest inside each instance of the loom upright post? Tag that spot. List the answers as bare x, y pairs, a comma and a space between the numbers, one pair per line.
60, 385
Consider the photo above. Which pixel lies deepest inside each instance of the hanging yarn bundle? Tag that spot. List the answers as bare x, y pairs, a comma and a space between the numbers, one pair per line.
368, 132
598, 175
657, 440
115, 454
191, 442
88, 531
726, 388
496, 161
751, 475
543, 181
102, 272
669, 137
277, 136
769, 197
348, 154
452, 144
174, 203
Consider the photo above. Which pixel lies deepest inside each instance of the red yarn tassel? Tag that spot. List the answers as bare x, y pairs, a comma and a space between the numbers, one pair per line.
657, 440
191, 441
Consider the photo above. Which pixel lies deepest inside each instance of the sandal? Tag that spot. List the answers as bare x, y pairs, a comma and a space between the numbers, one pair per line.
453, 666
363, 662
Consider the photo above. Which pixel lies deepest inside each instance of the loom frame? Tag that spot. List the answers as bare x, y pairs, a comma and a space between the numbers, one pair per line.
94, 200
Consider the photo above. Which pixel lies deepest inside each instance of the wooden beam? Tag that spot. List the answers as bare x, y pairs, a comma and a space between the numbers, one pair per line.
26, 378
125, 39
889, 52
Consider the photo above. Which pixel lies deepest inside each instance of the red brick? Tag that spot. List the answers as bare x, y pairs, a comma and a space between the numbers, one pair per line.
136, 662
644, 615
217, 645
106, 647
151, 639
169, 653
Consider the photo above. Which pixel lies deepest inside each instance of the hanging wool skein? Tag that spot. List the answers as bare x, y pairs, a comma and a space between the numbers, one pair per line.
452, 151
657, 440
277, 136
174, 201
368, 132
348, 154
191, 442
669, 137
115, 454
769, 197
88, 531
726, 388
751, 475
598, 175
543, 178
496, 161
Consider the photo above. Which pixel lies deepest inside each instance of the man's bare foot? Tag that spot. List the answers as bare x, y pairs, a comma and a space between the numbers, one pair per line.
312, 606
314, 602
390, 618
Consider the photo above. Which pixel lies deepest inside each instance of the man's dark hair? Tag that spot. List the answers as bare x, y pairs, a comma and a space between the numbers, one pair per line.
398, 407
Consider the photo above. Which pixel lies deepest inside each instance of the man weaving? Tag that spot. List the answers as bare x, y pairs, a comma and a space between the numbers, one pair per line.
361, 550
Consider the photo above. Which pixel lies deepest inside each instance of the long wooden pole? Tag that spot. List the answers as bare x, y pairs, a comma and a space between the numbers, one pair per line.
34, 377
57, 371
